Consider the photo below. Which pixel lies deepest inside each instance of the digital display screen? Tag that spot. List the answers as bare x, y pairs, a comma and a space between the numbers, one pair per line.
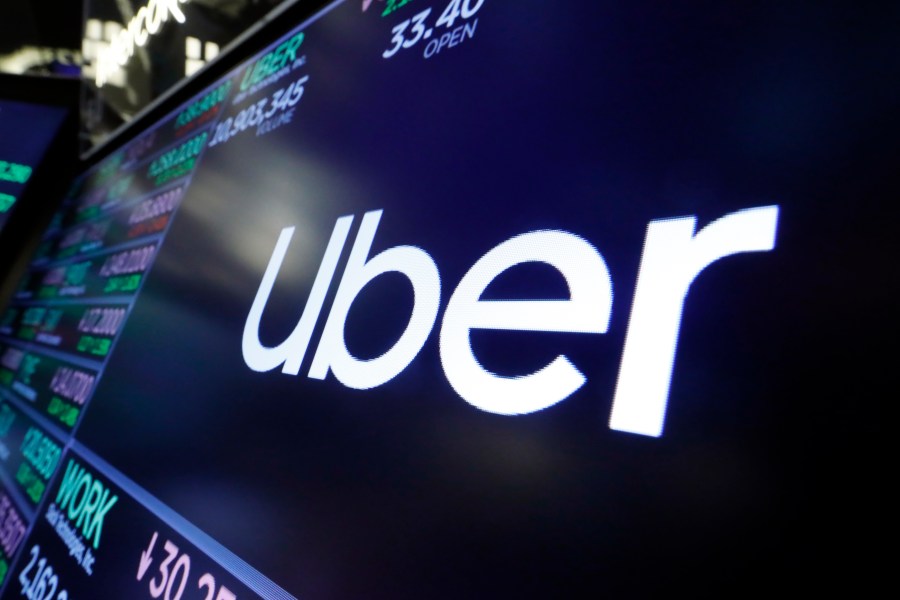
461, 299
26, 131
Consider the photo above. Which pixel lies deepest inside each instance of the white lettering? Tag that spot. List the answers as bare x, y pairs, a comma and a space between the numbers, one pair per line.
157, 205
673, 257
147, 21
72, 384
587, 310
419, 268
156, 14
138, 33
292, 350
101, 321
128, 261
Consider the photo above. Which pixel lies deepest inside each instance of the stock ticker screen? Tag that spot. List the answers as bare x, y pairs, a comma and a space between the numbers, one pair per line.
26, 131
466, 299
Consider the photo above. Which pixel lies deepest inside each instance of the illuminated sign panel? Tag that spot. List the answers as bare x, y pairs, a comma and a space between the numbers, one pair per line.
378, 314
147, 21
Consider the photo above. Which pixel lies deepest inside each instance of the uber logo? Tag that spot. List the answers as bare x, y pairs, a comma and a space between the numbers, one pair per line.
674, 255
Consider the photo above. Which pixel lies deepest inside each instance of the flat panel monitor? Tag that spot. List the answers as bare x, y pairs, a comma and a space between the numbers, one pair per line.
471, 299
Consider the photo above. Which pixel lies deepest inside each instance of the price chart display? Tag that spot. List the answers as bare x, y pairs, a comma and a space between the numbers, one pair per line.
56, 338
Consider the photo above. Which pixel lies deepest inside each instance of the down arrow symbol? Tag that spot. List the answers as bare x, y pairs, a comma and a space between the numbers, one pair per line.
145, 558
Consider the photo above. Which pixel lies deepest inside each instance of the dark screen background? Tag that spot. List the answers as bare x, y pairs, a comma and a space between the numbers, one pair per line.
591, 118
26, 131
